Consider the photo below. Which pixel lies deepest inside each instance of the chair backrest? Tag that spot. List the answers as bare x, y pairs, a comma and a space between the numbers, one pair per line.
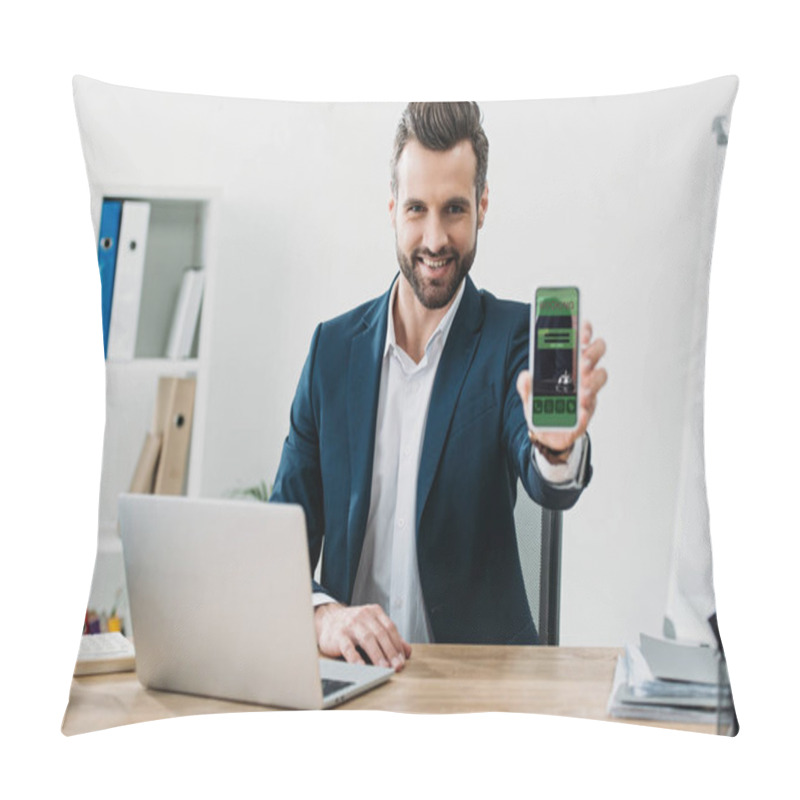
539, 545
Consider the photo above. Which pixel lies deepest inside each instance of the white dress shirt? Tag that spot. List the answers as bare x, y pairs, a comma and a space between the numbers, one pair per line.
387, 572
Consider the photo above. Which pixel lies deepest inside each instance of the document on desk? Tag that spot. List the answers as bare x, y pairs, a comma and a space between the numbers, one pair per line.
641, 690
644, 684
674, 661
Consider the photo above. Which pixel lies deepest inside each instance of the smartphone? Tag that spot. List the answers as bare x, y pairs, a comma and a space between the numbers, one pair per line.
554, 358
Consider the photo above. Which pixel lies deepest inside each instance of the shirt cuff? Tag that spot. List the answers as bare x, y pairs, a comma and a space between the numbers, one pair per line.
565, 474
320, 599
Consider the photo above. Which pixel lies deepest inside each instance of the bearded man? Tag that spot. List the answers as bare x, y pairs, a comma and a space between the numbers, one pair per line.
408, 432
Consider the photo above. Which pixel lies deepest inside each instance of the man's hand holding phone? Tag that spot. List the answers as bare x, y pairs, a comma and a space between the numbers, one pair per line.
557, 445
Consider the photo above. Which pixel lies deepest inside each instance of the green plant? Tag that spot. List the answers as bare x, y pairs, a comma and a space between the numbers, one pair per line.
261, 492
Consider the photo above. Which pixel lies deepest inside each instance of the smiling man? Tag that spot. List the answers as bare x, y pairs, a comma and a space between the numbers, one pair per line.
407, 432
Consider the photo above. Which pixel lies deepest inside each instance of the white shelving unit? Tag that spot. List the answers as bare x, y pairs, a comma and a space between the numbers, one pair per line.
181, 234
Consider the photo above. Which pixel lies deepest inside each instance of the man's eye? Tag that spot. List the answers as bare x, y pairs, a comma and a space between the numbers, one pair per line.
456, 209
414, 209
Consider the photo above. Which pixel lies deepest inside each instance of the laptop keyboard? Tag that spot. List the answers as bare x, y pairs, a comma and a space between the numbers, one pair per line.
329, 686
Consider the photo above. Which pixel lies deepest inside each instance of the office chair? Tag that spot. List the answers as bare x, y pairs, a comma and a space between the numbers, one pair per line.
539, 545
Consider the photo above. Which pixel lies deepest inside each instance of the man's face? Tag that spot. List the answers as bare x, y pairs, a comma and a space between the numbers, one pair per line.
436, 219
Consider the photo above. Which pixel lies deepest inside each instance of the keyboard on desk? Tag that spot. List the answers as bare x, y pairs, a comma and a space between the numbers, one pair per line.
104, 652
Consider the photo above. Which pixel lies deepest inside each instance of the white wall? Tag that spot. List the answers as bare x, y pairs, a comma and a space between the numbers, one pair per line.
593, 192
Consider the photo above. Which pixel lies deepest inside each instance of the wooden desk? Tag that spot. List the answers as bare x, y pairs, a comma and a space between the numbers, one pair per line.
563, 681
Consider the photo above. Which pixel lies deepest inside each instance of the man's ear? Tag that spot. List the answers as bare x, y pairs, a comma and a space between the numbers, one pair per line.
483, 205
392, 207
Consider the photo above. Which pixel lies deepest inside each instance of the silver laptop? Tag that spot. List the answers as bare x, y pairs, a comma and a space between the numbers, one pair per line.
220, 601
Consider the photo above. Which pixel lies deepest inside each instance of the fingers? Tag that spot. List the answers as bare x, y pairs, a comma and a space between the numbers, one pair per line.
399, 644
368, 642
590, 386
524, 385
592, 354
584, 416
592, 383
382, 638
592, 379
559, 441
349, 651
345, 630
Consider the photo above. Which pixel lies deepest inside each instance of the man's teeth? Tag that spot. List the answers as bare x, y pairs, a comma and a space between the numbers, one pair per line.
437, 264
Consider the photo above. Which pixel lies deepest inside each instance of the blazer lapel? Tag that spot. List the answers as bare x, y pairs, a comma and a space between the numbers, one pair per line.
453, 368
363, 387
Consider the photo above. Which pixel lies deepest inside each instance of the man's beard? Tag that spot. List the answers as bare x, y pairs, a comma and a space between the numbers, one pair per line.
437, 292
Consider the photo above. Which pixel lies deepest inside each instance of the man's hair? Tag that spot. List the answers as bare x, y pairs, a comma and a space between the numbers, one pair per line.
441, 126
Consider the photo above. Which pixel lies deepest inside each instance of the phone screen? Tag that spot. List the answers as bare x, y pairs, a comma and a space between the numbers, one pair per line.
554, 356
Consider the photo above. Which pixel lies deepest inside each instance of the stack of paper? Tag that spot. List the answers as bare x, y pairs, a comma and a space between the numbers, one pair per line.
666, 680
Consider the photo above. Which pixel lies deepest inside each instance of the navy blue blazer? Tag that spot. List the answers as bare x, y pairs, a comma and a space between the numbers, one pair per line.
476, 445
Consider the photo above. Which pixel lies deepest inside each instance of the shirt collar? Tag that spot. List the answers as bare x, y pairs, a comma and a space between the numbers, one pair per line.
442, 329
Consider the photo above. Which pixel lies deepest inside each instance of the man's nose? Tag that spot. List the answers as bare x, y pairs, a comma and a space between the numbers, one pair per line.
435, 234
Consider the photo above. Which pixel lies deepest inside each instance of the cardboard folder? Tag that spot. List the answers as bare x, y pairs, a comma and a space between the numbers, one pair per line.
145, 474
173, 421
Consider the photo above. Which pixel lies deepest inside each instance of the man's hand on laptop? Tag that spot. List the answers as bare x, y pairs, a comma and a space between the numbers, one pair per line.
343, 630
